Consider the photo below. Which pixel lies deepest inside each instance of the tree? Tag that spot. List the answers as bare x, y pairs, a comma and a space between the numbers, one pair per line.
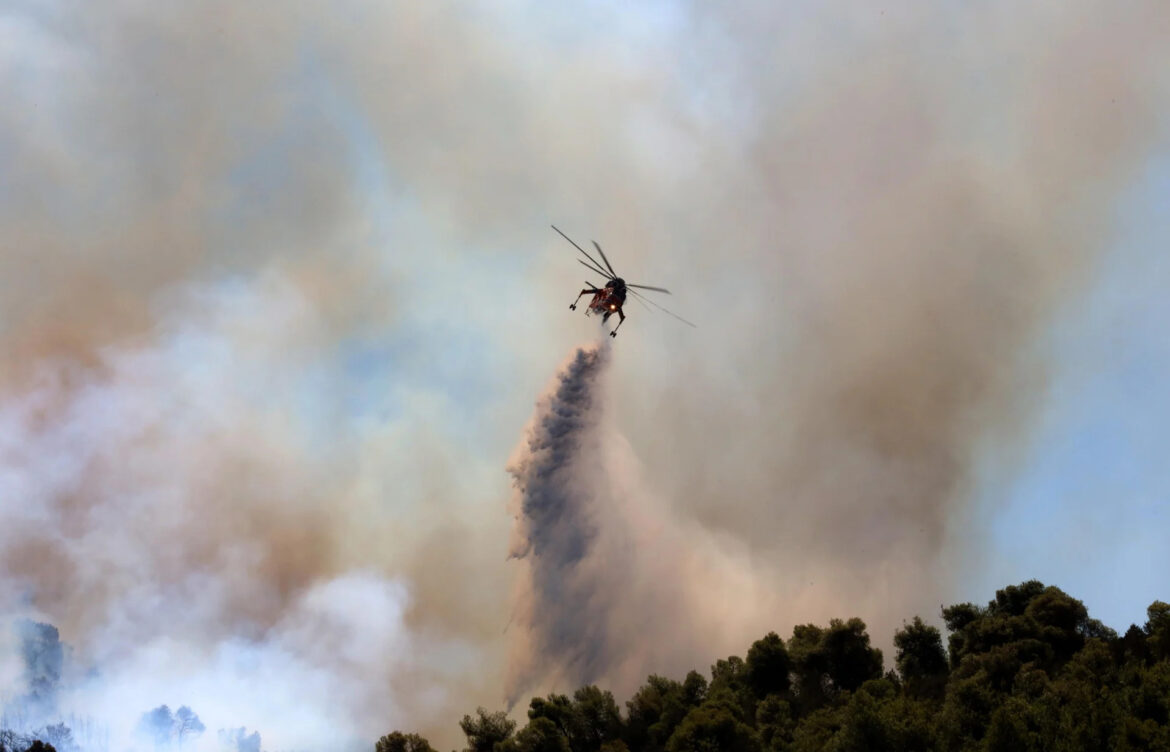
540, 735
774, 722
1061, 621
879, 716
713, 727
655, 711
1158, 630
239, 739
586, 722
486, 729
1008, 730
809, 666
559, 710
826, 661
730, 683
694, 689
815, 731
598, 716
59, 736
920, 659
396, 741
157, 725
187, 725
957, 618
1013, 600
851, 661
39, 746
1029, 671
1132, 647
768, 666
43, 656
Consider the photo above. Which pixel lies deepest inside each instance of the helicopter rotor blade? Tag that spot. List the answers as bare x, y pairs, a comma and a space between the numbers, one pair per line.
669, 313
593, 269
607, 275
603, 258
639, 299
647, 287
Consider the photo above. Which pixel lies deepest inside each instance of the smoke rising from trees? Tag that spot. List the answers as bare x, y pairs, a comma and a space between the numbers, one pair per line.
277, 288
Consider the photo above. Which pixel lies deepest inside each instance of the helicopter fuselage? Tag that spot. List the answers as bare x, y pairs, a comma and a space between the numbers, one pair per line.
609, 299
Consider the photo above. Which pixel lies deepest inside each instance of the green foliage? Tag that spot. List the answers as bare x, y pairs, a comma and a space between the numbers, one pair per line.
399, 742
1028, 671
1010, 729
768, 666
486, 730
809, 666
713, 727
598, 718
775, 722
695, 688
1158, 630
1132, 647
1029, 623
826, 662
540, 735
851, 660
816, 730
655, 711
920, 659
584, 723
875, 719
731, 685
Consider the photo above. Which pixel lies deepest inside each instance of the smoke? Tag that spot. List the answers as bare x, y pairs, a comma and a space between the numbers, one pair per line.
276, 283
601, 556
562, 492
199, 545
901, 225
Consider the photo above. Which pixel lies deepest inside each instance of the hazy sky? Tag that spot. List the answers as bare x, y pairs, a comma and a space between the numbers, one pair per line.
1093, 478
278, 295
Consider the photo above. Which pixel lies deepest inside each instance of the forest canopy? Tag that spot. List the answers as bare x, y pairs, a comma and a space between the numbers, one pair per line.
1028, 671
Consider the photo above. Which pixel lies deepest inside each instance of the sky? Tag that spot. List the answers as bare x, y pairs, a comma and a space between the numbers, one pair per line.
1088, 501
281, 313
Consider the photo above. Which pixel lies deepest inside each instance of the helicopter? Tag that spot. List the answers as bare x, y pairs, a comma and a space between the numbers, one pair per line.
610, 298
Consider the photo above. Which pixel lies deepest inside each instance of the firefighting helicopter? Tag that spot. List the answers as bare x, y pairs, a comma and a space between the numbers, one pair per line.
609, 299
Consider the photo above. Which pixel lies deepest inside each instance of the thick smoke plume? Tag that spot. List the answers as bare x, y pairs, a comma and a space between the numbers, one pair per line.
276, 285
562, 494
601, 556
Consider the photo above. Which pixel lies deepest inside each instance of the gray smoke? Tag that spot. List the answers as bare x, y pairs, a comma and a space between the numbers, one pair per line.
561, 494
602, 558
276, 283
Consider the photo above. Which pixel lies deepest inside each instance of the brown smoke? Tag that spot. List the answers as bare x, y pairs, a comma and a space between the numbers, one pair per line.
873, 212
901, 225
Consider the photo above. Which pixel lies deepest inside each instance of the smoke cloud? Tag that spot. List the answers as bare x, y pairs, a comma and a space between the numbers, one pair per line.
277, 288
905, 222
562, 490
601, 557
195, 546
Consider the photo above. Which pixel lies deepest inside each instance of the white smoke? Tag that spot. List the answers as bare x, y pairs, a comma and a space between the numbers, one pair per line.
315, 679
191, 536
203, 205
